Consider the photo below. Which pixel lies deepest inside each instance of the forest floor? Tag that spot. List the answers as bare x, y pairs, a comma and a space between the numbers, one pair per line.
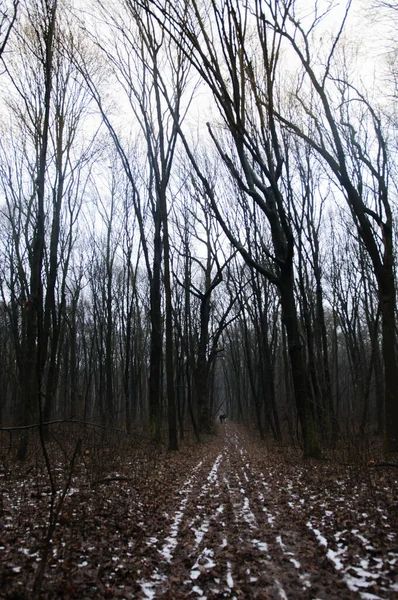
229, 518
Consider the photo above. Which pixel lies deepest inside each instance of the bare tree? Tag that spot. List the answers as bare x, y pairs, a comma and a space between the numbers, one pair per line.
8, 16
241, 74
38, 51
205, 346
309, 193
43, 177
348, 134
152, 75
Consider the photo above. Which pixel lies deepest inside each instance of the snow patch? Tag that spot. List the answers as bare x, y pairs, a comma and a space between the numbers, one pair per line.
196, 590
203, 564
334, 557
321, 539
281, 591
262, 546
82, 564
230, 581
279, 540
296, 564
212, 476
194, 574
149, 587
171, 540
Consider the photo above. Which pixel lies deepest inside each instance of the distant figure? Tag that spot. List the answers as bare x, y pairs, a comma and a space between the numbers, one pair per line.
223, 418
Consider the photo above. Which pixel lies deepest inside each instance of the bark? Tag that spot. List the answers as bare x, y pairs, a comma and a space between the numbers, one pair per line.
374, 226
201, 371
389, 346
299, 372
156, 350
171, 396
35, 350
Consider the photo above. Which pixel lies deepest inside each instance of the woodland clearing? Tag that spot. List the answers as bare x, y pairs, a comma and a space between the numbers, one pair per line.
233, 517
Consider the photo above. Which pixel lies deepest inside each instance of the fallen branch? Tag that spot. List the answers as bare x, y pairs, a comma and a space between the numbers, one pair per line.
75, 421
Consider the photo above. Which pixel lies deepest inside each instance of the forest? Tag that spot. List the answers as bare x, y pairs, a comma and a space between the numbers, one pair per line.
198, 217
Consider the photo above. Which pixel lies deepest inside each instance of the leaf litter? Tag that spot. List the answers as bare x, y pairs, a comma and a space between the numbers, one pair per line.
232, 518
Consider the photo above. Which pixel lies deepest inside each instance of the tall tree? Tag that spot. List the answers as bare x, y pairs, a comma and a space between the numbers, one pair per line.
43, 178
36, 43
158, 78
348, 134
239, 63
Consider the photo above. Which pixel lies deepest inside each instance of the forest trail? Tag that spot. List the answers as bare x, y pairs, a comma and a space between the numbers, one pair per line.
236, 533
229, 518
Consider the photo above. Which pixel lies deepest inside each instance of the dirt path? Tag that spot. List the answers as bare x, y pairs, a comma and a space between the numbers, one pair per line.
235, 533
231, 518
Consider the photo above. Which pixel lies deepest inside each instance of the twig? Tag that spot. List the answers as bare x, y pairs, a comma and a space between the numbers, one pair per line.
55, 509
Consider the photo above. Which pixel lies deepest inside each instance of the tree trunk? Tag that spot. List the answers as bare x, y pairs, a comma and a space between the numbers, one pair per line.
156, 337
298, 366
387, 307
171, 397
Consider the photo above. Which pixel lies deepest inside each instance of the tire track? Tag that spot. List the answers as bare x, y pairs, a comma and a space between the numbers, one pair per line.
268, 558
228, 539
